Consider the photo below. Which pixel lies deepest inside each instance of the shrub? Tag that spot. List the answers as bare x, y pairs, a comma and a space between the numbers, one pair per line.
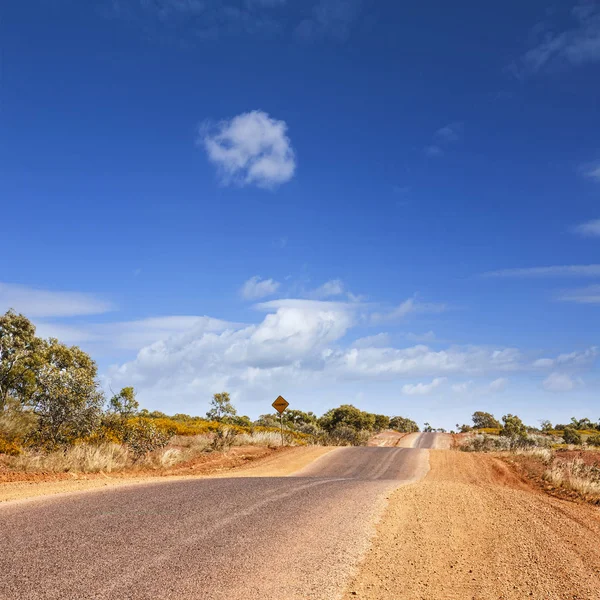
571, 436
224, 438
343, 435
485, 443
142, 437
594, 440
9, 448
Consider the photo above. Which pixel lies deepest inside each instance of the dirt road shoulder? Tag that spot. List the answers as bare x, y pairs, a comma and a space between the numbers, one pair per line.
239, 462
473, 529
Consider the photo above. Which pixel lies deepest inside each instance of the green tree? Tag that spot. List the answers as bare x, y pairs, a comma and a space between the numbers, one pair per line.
124, 403
18, 353
580, 424
297, 418
381, 422
513, 427
222, 408
546, 425
403, 425
66, 398
572, 436
485, 420
347, 416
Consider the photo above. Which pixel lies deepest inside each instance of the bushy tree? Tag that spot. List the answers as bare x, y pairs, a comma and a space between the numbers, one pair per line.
403, 425
348, 416
546, 425
572, 436
581, 424
19, 348
381, 422
222, 408
513, 427
594, 440
485, 420
124, 403
66, 398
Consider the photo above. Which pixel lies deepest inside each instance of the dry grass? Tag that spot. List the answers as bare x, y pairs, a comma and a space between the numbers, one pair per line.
111, 457
546, 455
82, 458
575, 475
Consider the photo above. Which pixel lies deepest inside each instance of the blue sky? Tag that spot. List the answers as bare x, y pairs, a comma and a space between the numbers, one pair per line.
388, 204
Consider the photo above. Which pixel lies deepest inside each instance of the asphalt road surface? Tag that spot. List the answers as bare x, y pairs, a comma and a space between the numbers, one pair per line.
244, 538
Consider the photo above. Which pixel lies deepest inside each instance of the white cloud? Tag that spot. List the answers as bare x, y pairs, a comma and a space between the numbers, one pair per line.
576, 45
334, 287
552, 271
591, 170
444, 137
586, 295
449, 133
422, 389
588, 229
498, 385
433, 151
380, 340
462, 387
571, 359
251, 149
133, 335
330, 19
33, 302
256, 288
407, 307
560, 382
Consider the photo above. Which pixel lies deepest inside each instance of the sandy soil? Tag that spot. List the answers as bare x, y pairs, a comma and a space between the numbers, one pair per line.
475, 530
249, 461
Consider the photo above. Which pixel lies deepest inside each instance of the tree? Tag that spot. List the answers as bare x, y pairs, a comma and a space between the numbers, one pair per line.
484, 420
427, 428
124, 403
18, 349
66, 399
381, 422
581, 424
403, 425
572, 436
297, 418
221, 408
546, 425
513, 427
348, 416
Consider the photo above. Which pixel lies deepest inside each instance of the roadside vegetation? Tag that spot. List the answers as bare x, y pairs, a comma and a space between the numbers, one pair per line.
55, 417
563, 457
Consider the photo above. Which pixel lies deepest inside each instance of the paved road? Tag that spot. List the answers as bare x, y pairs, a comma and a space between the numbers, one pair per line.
214, 539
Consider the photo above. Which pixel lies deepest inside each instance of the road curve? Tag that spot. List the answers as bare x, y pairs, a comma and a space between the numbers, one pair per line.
214, 539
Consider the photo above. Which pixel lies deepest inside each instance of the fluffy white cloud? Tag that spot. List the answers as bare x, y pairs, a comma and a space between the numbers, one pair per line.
560, 382
552, 271
586, 295
256, 288
34, 302
422, 389
251, 149
590, 228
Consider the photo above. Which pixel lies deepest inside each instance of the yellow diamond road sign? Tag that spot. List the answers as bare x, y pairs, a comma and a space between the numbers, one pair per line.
280, 404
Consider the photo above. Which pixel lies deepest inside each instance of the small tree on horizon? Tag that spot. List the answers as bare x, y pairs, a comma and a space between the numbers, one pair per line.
222, 408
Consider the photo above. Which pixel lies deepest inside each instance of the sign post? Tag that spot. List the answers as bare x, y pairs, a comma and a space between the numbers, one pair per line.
280, 405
